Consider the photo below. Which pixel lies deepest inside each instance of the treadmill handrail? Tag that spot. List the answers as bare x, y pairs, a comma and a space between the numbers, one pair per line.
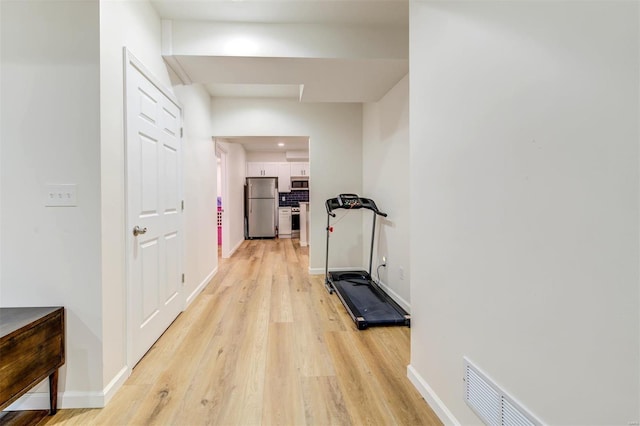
367, 203
326, 205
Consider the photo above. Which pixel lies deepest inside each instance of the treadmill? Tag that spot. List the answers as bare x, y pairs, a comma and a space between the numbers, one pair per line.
367, 304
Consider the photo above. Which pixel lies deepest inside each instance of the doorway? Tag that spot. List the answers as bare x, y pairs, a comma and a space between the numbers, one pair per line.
222, 199
247, 156
154, 208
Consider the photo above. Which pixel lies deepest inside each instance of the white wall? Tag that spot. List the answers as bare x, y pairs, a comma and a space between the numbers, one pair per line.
524, 188
385, 158
200, 189
50, 133
234, 204
262, 156
335, 157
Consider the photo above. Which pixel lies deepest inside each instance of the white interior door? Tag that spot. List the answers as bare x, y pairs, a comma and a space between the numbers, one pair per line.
153, 122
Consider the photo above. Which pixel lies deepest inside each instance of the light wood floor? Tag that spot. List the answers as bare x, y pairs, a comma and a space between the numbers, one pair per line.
266, 344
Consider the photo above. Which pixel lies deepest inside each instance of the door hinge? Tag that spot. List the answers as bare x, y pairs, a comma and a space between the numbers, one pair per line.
181, 131
182, 278
182, 205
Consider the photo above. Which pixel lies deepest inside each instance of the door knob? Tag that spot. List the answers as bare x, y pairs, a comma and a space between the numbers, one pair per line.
137, 231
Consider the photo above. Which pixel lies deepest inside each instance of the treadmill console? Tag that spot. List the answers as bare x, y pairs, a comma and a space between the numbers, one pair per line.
349, 201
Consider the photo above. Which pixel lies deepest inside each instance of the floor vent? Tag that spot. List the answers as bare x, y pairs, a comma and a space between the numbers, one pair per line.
492, 404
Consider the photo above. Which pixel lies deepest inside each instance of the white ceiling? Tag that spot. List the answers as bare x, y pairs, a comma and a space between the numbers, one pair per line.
270, 143
285, 91
339, 79
366, 12
325, 79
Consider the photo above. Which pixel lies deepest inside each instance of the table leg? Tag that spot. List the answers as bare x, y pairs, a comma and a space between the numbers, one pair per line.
53, 393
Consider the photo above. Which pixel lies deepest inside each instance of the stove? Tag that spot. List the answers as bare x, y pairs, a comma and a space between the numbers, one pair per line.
295, 222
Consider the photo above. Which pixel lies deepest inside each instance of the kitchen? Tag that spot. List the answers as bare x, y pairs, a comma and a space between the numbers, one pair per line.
277, 188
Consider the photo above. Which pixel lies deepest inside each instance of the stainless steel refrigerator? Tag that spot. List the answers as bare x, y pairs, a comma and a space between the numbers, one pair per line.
260, 207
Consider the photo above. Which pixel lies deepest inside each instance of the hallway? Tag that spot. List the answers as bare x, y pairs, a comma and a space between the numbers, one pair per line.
265, 343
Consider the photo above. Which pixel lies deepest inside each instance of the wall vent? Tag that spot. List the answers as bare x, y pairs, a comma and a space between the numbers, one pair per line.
492, 404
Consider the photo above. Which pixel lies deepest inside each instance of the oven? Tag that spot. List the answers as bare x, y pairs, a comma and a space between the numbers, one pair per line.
295, 222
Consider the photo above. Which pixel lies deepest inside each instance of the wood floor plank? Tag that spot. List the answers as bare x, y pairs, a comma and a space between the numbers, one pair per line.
281, 306
128, 399
311, 353
265, 343
323, 401
165, 348
167, 394
213, 379
359, 388
246, 404
80, 417
329, 309
283, 403
22, 418
291, 255
401, 397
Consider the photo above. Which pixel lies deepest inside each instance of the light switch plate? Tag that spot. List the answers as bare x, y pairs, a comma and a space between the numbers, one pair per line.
60, 195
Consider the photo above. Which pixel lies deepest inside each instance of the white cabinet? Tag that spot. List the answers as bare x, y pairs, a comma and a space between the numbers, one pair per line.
300, 169
284, 222
262, 169
284, 177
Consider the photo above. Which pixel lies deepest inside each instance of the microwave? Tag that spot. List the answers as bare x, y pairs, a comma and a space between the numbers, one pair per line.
299, 184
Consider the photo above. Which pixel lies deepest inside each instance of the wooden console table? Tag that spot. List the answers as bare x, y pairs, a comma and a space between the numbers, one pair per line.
31, 349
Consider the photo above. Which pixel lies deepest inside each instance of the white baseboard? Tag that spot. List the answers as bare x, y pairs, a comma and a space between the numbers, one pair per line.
200, 287
236, 247
395, 296
71, 399
430, 396
115, 384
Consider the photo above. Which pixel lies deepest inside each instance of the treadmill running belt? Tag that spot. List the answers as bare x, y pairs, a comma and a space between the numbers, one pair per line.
371, 305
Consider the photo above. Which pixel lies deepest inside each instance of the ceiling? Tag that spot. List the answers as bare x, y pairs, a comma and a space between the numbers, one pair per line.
367, 12
271, 143
302, 79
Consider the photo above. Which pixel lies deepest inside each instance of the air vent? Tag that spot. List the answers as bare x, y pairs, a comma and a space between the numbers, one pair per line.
492, 404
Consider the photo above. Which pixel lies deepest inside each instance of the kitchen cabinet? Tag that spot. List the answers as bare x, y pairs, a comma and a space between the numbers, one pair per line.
284, 222
262, 169
300, 169
284, 177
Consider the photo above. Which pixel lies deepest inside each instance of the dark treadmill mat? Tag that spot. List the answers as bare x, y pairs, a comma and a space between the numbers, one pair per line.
373, 308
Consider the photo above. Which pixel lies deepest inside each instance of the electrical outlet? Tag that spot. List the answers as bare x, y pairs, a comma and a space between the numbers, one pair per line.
384, 260
60, 195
